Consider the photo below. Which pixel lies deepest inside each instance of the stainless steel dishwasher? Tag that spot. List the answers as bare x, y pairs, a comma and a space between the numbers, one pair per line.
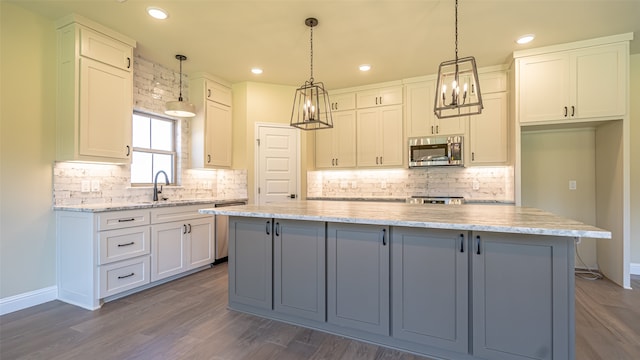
222, 232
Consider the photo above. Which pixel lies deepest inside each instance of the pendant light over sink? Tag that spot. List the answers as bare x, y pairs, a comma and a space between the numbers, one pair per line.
311, 105
180, 108
458, 89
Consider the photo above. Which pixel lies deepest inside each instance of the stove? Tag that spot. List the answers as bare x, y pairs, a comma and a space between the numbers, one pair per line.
444, 200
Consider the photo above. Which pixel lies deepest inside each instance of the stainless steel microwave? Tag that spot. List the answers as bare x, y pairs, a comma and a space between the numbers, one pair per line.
436, 151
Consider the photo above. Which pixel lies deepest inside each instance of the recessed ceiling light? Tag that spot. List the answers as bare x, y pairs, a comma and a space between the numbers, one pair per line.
365, 67
256, 71
157, 13
525, 39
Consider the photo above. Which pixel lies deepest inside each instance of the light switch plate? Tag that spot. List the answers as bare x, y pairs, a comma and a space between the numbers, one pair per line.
86, 186
572, 185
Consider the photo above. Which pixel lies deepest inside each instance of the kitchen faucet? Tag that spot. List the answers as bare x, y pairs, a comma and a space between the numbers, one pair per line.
155, 185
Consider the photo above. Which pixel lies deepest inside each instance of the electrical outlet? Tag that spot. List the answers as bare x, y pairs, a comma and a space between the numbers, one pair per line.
572, 185
343, 185
476, 185
86, 186
95, 185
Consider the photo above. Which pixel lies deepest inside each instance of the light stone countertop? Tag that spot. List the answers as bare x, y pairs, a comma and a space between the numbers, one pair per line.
502, 219
95, 208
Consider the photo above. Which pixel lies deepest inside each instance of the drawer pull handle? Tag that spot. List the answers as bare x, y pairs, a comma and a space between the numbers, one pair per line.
478, 244
461, 243
126, 276
268, 228
384, 237
127, 244
126, 220
189, 228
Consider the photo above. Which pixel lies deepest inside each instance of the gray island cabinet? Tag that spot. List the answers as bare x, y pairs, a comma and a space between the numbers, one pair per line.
452, 282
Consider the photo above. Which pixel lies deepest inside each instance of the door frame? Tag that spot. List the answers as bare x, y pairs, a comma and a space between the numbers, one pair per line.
256, 156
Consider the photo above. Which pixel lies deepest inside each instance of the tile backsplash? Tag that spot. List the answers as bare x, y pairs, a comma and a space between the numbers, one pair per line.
114, 185
472, 183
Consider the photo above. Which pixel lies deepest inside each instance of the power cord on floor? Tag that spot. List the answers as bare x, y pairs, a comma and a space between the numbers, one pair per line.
587, 274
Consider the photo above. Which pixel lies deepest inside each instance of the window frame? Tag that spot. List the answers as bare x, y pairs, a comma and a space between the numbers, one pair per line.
173, 153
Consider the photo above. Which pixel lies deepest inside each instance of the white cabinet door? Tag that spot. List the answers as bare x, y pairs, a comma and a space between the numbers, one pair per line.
543, 87
336, 148
342, 102
105, 110
105, 49
218, 135
380, 139
600, 79
168, 249
421, 120
488, 132
218, 93
379, 97
200, 245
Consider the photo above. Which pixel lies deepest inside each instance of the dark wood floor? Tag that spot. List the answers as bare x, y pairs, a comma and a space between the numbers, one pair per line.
188, 319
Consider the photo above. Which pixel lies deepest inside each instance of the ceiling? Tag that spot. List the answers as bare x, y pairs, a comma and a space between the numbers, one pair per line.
399, 38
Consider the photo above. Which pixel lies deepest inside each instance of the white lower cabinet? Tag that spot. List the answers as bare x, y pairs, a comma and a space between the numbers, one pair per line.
180, 246
103, 254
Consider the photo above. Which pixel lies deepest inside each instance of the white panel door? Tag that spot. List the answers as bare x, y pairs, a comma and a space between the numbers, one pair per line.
277, 164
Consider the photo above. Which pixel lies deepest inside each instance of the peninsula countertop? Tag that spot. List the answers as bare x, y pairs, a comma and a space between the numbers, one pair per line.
502, 219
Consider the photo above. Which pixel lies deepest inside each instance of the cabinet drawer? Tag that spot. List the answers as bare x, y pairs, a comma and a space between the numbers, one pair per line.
178, 213
123, 275
116, 245
105, 49
122, 219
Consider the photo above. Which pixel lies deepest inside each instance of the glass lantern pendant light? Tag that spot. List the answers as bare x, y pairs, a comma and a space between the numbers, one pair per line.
458, 89
180, 108
311, 105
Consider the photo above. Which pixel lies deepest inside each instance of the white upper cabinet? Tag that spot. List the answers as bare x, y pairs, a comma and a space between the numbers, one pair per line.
573, 85
421, 120
95, 92
341, 102
336, 148
379, 137
211, 128
379, 97
488, 131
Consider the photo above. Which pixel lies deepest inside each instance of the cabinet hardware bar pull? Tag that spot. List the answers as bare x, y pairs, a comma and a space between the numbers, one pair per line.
431, 129
473, 156
208, 92
478, 244
127, 244
336, 161
126, 220
461, 243
380, 160
333, 162
376, 160
268, 226
277, 229
128, 63
128, 150
208, 158
126, 276
573, 110
565, 111
184, 228
437, 129
380, 100
189, 228
384, 237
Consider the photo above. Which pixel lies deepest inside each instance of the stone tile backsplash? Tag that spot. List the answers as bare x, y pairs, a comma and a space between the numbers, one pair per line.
492, 183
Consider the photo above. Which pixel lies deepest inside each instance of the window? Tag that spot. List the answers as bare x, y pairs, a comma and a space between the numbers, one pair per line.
153, 148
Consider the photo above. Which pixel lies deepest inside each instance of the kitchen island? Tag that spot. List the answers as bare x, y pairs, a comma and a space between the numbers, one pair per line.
453, 282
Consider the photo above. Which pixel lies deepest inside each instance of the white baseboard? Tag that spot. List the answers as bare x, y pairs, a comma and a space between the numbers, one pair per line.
635, 269
28, 299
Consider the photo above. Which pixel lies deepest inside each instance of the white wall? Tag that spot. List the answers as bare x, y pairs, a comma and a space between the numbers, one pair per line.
635, 162
550, 159
27, 150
